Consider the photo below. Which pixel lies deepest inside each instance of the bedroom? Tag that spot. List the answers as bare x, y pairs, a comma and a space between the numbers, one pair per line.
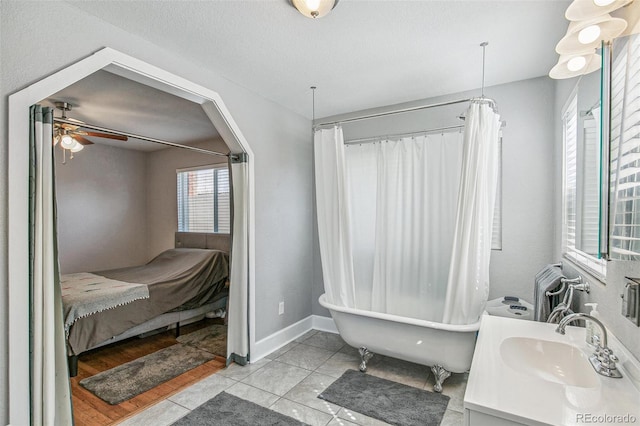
274, 112
126, 193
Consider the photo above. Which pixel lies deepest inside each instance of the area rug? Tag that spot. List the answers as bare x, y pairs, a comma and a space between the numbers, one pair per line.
133, 378
229, 410
385, 400
212, 339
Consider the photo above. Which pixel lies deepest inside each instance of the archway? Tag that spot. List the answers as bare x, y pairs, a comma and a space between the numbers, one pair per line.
18, 202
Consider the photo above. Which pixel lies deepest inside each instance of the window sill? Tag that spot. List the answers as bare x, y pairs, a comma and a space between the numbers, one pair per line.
597, 268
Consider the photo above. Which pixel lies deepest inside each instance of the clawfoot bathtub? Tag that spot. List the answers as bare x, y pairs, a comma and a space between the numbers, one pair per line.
445, 348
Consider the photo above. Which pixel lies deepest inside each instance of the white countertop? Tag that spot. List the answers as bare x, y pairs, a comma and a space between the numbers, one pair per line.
496, 389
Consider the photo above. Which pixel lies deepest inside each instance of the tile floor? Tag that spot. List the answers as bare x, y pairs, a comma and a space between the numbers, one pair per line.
290, 379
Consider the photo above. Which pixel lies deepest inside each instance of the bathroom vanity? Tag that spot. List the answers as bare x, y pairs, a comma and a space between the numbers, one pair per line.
524, 373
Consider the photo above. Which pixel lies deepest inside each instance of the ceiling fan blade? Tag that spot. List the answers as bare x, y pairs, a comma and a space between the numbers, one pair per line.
66, 126
82, 140
106, 136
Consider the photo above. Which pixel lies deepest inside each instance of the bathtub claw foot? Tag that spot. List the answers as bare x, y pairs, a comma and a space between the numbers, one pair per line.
440, 375
365, 356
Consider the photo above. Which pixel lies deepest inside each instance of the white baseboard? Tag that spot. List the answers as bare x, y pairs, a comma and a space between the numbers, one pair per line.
275, 341
323, 324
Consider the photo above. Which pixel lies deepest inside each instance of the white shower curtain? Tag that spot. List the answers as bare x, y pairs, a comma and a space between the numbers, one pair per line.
50, 389
332, 204
468, 287
403, 199
237, 334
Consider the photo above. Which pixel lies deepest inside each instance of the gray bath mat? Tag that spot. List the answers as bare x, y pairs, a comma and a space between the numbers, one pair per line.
229, 410
133, 378
212, 339
385, 400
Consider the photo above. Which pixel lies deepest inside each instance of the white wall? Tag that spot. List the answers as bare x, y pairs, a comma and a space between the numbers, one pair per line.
527, 183
162, 211
101, 197
280, 140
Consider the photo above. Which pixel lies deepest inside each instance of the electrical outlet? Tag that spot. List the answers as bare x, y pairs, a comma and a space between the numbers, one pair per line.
281, 308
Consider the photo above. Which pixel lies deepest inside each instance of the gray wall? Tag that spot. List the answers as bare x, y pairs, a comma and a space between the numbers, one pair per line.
279, 138
101, 197
528, 185
161, 208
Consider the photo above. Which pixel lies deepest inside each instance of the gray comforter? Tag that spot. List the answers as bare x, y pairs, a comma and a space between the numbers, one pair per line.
177, 279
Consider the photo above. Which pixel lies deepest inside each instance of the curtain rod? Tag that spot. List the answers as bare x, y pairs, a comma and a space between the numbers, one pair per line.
144, 138
397, 135
403, 110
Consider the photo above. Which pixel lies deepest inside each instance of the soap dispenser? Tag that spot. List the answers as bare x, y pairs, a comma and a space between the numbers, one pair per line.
591, 329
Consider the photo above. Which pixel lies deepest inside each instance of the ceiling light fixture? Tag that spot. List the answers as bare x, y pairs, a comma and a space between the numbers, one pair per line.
314, 8
569, 66
588, 34
585, 9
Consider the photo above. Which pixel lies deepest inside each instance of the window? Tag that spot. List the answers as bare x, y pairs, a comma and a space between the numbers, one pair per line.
624, 236
581, 191
204, 200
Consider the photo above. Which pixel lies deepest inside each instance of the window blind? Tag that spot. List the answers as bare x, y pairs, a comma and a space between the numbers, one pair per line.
625, 151
496, 237
204, 200
570, 141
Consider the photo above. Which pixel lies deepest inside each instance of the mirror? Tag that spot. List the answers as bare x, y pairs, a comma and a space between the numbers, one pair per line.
624, 180
587, 165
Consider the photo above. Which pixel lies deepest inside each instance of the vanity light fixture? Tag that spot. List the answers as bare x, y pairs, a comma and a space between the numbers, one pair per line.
314, 8
588, 34
581, 10
573, 65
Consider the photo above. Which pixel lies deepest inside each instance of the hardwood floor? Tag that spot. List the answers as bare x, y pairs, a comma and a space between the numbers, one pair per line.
89, 410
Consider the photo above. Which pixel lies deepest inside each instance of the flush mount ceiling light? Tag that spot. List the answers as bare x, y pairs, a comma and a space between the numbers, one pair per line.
314, 8
588, 34
573, 65
586, 9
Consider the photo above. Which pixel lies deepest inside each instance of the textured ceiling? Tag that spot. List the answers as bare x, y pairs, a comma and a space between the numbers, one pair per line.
363, 55
114, 102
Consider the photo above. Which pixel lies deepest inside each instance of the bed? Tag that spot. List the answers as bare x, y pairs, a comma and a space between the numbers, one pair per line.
178, 286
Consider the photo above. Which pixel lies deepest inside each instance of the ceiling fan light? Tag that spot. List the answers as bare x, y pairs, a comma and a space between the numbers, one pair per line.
577, 63
66, 141
580, 10
77, 147
601, 3
589, 34
562, 69
314, 8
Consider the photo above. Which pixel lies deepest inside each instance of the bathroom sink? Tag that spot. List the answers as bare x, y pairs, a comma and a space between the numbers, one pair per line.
551, 361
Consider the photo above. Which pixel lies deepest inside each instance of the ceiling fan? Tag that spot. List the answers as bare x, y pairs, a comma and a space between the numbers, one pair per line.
68, 131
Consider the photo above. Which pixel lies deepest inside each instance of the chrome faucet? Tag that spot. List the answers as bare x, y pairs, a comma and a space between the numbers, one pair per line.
603, 360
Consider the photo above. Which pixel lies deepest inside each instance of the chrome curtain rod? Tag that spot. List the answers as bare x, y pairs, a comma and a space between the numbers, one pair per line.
399, 135
393, 112
133, 135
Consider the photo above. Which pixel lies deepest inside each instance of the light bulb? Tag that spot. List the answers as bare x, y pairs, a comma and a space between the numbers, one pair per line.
77, 147
67, 141
603, 2
589, 34
312, 4
577, 63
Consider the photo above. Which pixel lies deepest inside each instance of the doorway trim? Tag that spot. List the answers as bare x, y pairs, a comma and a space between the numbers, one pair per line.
18, 194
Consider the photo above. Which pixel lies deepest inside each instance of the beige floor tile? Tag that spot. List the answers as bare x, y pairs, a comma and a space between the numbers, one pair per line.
305, 336
201, 392
162, 414
252, 394
452, 418
277, 377
324, 340
338, 364
275, 354
307, 357
306, 393
239, 372
301, 412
